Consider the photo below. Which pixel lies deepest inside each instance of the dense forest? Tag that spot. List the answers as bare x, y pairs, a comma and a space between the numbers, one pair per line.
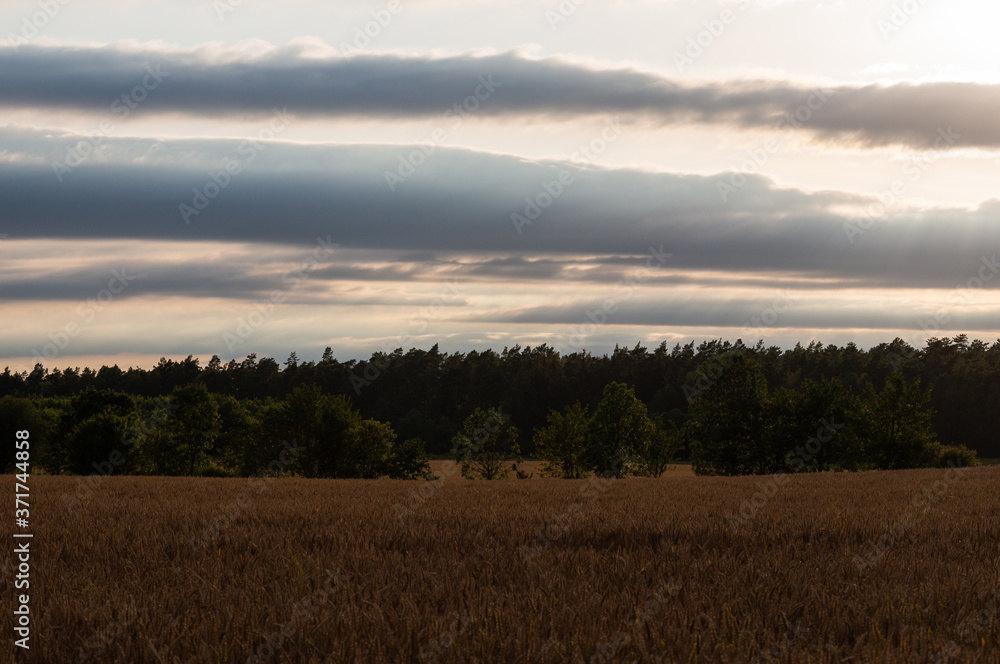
240, 413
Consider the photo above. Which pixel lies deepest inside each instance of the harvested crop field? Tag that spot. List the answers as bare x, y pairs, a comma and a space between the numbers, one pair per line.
869, 567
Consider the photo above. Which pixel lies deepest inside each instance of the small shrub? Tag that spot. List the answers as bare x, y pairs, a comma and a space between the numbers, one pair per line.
521, 475
952, 456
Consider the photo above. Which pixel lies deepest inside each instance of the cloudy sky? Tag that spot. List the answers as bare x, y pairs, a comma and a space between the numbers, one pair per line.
232, 176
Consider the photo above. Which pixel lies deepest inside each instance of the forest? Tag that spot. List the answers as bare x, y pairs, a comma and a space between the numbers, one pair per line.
728, 407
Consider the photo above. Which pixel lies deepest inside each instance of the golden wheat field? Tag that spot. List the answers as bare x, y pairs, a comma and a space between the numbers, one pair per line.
869, 567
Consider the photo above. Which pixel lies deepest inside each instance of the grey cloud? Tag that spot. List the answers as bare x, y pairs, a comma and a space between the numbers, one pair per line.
208, 83
253, 276
435, 269
712, 311
462, 203
139, 277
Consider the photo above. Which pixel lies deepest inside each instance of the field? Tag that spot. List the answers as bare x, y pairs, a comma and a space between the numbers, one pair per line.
869, 567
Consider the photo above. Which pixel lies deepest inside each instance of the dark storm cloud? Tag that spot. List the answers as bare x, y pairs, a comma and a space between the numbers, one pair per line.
467, 203
210, 83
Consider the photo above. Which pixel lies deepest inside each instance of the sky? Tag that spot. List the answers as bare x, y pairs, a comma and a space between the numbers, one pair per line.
225, 177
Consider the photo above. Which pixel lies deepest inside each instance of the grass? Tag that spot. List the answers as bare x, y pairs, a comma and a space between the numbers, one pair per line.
679, 569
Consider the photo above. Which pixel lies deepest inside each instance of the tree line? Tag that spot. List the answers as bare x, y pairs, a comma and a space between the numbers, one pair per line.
389, 412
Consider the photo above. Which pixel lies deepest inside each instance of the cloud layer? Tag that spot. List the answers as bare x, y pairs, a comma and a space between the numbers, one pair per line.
530, 248
311, 81
463, 202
